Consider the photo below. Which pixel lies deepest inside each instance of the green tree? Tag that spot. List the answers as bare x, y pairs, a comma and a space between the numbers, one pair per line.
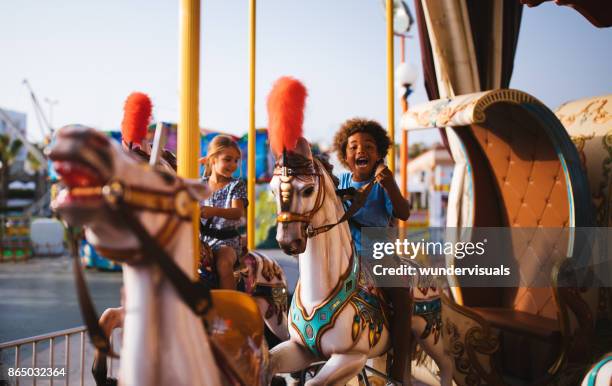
265, 213
416, 149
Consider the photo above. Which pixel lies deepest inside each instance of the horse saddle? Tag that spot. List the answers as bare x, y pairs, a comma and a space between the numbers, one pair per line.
236, 330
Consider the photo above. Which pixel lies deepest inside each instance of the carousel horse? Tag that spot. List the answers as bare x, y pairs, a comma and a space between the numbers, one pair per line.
141, 216
336, 314
260, 277
600, 374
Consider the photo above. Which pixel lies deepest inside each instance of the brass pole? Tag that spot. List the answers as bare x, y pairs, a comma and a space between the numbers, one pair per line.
188, 125
390, 98
404, 168
404, 145
252, 135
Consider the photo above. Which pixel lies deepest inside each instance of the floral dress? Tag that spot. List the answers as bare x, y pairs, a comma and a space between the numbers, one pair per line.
222, 198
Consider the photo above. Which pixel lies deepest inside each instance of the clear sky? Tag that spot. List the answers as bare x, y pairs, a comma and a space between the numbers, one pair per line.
90, 55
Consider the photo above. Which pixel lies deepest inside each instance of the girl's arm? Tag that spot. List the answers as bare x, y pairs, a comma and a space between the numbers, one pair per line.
401, 206
233, 213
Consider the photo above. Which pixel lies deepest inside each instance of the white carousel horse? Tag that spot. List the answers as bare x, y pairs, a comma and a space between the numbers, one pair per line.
334, 314
600, 374
164, 341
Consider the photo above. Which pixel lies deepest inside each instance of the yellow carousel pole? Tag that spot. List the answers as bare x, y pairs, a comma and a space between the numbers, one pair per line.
390, 98
404, 145
188, 125
251, 150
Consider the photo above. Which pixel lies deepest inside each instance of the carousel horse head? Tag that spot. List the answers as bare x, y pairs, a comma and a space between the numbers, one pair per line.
298, 191
299, 178
97, 174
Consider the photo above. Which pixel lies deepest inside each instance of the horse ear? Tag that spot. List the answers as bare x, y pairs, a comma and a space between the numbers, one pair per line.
197, 189
303, 148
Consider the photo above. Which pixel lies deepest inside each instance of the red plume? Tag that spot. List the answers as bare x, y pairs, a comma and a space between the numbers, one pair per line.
136, 117
286, 113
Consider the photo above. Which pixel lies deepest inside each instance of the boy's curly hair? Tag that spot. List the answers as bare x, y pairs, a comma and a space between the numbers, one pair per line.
360, 125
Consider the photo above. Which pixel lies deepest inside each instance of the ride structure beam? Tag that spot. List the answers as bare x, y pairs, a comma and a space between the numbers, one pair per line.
251, 178
188, 125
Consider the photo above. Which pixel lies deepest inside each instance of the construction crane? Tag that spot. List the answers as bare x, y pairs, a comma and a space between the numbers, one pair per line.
43, 122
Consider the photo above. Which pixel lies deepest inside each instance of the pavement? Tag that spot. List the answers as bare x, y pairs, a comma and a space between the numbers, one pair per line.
37, 296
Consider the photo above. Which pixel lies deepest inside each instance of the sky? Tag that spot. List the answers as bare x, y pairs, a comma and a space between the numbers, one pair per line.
88, 56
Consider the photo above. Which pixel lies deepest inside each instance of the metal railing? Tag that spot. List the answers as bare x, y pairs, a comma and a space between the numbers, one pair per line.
26, 353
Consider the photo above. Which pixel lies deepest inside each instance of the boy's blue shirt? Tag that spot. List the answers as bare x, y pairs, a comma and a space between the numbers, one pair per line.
377, 211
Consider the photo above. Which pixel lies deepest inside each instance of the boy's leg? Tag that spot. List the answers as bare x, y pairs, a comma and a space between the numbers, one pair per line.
225, 258
401, 332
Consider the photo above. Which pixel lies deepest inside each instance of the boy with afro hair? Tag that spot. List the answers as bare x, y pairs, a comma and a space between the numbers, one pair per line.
361, 146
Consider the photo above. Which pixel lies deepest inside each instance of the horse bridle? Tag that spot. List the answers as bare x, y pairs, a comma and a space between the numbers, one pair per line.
121, 201
312, 168
176, 203
286, 175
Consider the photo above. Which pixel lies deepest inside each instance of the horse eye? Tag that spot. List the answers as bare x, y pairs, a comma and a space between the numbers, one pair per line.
308, 191
168, 178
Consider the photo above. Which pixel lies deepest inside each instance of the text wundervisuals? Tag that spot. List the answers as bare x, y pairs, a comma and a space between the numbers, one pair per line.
411, 249
406, 270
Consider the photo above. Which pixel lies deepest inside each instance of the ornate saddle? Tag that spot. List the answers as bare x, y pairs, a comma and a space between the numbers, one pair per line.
237, 334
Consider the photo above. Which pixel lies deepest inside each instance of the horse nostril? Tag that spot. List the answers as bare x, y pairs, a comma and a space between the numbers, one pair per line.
296, 246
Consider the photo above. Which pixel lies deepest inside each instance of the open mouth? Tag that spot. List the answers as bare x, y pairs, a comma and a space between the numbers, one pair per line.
83, 184
362, 161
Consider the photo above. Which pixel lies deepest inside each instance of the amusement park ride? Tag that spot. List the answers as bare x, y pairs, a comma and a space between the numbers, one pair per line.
517, 165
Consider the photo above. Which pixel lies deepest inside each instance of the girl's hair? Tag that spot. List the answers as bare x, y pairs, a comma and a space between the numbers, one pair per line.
360, 125
216, 146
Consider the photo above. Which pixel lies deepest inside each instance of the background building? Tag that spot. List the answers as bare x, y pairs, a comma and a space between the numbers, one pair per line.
429, 177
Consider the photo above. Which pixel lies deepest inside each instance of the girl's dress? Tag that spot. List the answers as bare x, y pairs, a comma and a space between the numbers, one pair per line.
218, 231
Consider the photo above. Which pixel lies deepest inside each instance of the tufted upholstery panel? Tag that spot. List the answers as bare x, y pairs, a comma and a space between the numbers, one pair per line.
531, 187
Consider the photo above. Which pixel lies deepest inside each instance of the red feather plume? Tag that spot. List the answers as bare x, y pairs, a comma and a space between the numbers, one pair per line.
136, 117
286, 104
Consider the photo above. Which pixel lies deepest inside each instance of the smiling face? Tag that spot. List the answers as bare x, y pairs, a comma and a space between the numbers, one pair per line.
225, 162
362, 156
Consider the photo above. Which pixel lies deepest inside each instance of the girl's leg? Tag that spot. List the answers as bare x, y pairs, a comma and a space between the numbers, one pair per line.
225, 258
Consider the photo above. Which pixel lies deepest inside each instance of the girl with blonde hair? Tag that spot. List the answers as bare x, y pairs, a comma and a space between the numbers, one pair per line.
224, 211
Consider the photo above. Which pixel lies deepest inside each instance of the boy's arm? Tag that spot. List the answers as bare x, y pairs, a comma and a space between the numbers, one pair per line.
401, 206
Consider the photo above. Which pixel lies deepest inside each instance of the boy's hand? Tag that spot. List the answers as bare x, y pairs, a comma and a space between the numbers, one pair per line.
384, 176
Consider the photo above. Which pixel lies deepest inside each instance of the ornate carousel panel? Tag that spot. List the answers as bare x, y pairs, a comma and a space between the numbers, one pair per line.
524, 172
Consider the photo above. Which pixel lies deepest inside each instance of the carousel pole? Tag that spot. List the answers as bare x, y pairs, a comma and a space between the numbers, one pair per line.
404, 146
188, 126
390, 97
252, 135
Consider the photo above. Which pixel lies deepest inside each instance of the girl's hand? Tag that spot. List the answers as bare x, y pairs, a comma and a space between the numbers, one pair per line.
205, 211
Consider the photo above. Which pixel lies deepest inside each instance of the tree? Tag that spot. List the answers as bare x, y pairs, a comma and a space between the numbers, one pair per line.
416, 149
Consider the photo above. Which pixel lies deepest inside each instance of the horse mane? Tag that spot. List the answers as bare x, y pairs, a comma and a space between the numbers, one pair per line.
298, 161
329, 168
167, 156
